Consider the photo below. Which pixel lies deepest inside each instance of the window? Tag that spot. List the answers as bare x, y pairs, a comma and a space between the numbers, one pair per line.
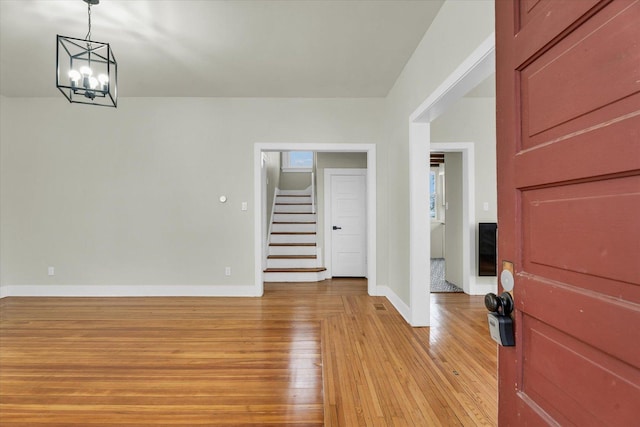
432, 194
297, 161
436, 193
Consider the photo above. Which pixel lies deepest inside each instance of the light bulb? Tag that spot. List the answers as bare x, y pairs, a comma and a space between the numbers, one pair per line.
93, 82
86, 71
104, 81
74, 76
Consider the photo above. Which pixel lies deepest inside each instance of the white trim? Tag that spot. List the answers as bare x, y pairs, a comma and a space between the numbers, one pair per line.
485, 288
370, 149
130, 291
296, 170
397, 302
328, 173
420, 231
473, 70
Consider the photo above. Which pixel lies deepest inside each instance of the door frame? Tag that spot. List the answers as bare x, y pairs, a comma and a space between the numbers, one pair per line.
473, 70
328, 242
259, 232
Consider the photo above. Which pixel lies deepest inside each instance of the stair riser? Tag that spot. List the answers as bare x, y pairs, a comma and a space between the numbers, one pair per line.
293, 208
284, 199
292, 250
293, 238
294, 192
292, 263
293, 217
294, 277
293, 227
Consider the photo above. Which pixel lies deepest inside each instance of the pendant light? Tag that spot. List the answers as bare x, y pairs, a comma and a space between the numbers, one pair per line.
86, 70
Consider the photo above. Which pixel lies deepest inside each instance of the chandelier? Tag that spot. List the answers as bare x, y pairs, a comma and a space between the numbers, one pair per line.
86, 70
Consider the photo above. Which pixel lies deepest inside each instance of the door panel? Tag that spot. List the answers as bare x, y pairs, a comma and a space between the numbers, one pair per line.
348, 213
594, 216
568, 134
540, 24
554, 369
573, 78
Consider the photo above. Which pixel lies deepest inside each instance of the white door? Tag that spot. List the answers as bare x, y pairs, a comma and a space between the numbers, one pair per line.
347, 225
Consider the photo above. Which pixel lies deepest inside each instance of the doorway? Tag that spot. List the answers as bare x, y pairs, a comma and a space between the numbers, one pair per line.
472, 71
260, 233
345, 222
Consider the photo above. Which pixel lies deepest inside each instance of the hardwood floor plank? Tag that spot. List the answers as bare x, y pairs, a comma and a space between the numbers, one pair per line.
304, 354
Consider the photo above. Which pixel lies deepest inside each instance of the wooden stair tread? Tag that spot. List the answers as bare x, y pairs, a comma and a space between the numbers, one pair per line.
293, 222
295, 270
292, 244
293, 232
292, 257
293, 204
295, 213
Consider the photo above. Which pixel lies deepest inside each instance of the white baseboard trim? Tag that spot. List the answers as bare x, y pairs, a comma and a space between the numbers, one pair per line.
483, 289
129, 291
397, 302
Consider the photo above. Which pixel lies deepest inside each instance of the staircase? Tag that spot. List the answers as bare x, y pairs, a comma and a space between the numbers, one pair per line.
293, 253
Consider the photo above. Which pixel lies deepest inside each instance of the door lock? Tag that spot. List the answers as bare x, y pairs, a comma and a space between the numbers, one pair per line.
500, 321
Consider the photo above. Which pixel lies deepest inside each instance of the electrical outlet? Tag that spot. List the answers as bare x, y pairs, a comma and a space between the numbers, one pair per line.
51, 271
227, 271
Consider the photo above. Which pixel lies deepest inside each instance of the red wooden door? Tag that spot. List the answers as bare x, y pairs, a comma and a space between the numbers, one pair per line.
568, 108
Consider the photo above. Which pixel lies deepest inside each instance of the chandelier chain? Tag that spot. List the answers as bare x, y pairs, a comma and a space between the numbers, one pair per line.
88, 36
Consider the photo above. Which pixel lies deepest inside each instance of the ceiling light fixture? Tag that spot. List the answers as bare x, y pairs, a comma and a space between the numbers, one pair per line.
86, 70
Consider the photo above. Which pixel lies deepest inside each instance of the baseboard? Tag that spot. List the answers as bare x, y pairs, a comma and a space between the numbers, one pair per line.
396, 301
483, 288
129, 291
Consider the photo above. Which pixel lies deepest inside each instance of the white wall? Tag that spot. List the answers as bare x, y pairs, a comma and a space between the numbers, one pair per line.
3, 137
295, 180
455, 225
129, 197
457, 30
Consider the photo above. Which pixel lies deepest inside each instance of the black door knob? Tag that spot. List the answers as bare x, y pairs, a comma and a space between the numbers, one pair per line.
502, 304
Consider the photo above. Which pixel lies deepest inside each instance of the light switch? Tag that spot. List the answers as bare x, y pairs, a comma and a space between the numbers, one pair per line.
244, 206
485, 206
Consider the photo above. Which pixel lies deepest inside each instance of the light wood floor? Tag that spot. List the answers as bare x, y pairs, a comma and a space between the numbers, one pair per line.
304, 354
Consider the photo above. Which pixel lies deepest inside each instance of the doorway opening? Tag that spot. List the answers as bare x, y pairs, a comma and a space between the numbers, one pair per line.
259, 201
472, 71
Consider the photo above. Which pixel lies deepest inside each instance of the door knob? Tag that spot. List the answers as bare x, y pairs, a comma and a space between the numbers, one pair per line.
500, 323
502, 305
335, 227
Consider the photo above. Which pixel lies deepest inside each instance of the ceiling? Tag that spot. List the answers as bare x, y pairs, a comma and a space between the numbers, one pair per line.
252, 48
